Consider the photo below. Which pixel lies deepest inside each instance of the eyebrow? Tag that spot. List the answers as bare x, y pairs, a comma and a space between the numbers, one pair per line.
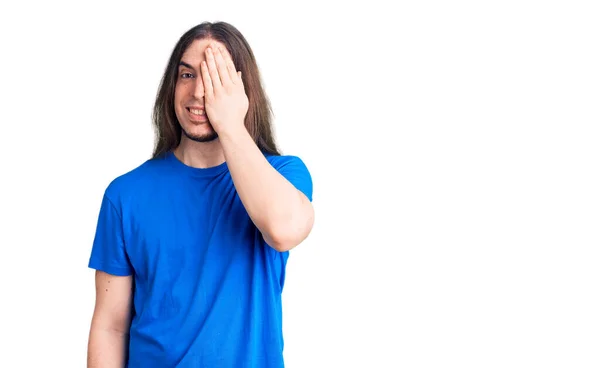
182, 63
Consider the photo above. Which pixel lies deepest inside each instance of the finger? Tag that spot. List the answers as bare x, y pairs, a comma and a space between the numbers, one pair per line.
212, 68
230, 66
206, 79
222, 66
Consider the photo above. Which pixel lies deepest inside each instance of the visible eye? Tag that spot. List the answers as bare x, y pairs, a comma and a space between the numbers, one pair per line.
187, 75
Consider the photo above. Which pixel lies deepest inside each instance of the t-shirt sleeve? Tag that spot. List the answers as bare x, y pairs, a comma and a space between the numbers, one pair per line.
108, 249
296, 172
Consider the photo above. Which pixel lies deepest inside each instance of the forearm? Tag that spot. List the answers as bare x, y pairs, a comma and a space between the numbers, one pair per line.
107, 349
281, 212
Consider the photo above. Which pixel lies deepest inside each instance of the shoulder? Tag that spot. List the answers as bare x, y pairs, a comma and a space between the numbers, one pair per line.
295, 171
133, 180
286, 161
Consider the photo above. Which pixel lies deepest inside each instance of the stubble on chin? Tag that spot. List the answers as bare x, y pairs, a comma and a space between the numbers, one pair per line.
201, 138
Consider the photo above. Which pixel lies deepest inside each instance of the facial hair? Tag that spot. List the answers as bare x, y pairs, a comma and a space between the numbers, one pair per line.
209, 137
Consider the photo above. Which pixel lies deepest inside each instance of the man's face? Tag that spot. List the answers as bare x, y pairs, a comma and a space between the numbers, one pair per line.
189, 94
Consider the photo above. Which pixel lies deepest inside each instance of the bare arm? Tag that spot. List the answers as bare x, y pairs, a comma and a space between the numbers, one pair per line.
281, 212
109, 332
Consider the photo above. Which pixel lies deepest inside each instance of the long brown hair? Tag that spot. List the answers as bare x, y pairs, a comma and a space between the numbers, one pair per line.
259, 116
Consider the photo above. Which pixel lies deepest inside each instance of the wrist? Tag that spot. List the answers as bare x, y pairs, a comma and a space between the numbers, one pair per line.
233, 132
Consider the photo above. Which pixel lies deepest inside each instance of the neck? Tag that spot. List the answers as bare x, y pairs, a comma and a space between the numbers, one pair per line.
200, 155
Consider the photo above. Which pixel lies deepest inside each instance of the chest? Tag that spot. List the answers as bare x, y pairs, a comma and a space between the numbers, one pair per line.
187, 228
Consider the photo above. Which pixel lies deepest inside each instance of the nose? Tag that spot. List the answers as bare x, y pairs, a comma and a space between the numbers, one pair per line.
198, 89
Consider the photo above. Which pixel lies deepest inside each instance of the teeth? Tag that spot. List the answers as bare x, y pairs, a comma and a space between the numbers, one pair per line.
197, 112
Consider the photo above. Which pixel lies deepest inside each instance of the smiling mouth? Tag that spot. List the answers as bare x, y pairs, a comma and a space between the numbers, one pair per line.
197, 115
198, 112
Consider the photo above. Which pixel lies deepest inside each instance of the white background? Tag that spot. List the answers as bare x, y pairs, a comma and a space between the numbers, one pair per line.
454, 148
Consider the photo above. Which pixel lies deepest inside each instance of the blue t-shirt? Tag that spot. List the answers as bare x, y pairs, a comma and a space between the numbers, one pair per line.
207, 287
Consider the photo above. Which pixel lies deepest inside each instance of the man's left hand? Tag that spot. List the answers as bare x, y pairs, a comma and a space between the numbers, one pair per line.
225, 100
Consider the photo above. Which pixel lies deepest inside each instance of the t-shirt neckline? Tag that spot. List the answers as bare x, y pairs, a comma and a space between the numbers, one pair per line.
195, 171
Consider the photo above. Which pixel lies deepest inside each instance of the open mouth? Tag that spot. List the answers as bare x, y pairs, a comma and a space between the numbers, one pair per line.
196, 114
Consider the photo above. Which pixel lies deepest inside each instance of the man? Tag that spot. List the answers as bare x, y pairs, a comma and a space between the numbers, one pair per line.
191, 247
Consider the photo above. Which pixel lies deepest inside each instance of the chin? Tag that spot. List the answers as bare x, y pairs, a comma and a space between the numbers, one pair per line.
200, 133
